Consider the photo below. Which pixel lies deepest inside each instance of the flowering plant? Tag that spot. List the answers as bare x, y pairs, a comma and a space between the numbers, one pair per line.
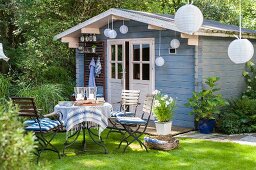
163, 107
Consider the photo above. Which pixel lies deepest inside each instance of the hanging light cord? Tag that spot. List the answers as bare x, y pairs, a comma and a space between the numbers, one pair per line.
108, 23
159, 52
112, 23
240, 21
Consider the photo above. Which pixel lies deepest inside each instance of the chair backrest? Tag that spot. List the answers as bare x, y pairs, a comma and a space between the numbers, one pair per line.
148, 105
26, 105
129, 98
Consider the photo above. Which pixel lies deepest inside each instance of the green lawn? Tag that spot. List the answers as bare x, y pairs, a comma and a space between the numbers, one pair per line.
192, 154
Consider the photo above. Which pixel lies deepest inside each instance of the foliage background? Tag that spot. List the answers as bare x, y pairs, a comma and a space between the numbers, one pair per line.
28, 26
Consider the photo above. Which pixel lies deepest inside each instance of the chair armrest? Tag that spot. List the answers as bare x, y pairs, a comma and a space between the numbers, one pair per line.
53, 114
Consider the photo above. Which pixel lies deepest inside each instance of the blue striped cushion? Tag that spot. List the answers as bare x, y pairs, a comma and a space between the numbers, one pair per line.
121, 114
45, 125
130, 120
32, 121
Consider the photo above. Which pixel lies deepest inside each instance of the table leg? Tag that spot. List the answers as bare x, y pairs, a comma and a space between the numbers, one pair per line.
100, 142
84, 141
67, 144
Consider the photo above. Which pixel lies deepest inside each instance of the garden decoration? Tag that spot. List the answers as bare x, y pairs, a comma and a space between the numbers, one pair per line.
94, 48
188, 19
112, 33
106, 31
2, 55
163, 110
123, 29
175, 43
159, 60
206, 105
240, 50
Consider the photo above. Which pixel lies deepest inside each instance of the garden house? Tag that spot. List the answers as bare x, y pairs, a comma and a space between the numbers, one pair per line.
128, 58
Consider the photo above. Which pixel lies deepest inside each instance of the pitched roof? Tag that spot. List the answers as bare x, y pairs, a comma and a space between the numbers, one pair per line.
209, 27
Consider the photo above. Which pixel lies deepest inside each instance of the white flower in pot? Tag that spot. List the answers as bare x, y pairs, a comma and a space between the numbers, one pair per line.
163, 110
94, 49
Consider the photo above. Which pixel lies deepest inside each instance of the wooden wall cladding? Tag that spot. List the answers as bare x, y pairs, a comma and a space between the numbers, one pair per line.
100, 52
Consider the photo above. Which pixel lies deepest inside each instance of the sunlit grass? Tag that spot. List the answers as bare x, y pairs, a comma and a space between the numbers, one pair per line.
192, 154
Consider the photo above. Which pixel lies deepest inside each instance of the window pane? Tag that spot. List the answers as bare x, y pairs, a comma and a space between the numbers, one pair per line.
136, 52
113, 72
145, 52
120, 71
113, 52
145, 71
136, 71
120, 52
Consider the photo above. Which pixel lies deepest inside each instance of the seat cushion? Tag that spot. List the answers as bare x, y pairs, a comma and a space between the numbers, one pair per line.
122, 114
130, 120
32, 121
45, 124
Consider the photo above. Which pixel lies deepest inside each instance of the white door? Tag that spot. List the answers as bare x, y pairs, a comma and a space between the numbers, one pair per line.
141, 67
116, 71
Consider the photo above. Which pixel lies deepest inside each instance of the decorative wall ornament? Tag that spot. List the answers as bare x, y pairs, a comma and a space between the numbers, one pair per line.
188, 19
123, 29
106, 31
175, 43
112, 33
240, 50
2, 55
159, 61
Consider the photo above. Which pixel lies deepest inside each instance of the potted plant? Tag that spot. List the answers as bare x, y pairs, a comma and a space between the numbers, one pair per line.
206, 105
163, 110
94, 48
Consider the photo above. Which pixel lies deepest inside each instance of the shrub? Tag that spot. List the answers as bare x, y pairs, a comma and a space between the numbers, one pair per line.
15, 146
238, 117
4, 86
46, 96
250, 79
206, 103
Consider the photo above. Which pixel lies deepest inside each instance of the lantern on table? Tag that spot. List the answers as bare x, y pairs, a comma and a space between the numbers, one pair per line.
79, 93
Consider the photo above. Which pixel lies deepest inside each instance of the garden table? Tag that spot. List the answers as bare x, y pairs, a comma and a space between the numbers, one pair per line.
78, 118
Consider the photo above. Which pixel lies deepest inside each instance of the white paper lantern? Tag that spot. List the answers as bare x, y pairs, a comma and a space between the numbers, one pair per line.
112, 34
106, 31
175, 43
240, 51
123, 29
188, 19
159, 61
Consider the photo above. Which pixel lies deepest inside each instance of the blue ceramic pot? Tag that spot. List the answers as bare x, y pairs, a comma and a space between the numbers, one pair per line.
206, 126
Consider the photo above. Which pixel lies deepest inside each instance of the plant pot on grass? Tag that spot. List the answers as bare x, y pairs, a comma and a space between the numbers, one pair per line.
163, 110
206, 105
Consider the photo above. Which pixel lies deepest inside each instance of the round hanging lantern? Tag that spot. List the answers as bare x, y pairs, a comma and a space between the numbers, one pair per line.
175, 43
123, 29
188, 19
112, 34
240, 51
106, 31
159, 61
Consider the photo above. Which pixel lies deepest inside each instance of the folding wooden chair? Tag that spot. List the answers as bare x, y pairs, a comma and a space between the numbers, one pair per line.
38, 124
136, 126
128, 107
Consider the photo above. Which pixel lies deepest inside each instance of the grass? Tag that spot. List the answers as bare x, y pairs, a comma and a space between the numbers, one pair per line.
192, 154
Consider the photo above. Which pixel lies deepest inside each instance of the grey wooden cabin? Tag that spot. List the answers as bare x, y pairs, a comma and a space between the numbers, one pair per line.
129, 59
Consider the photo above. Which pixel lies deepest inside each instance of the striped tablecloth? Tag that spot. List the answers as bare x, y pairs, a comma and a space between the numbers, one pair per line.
74, 116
